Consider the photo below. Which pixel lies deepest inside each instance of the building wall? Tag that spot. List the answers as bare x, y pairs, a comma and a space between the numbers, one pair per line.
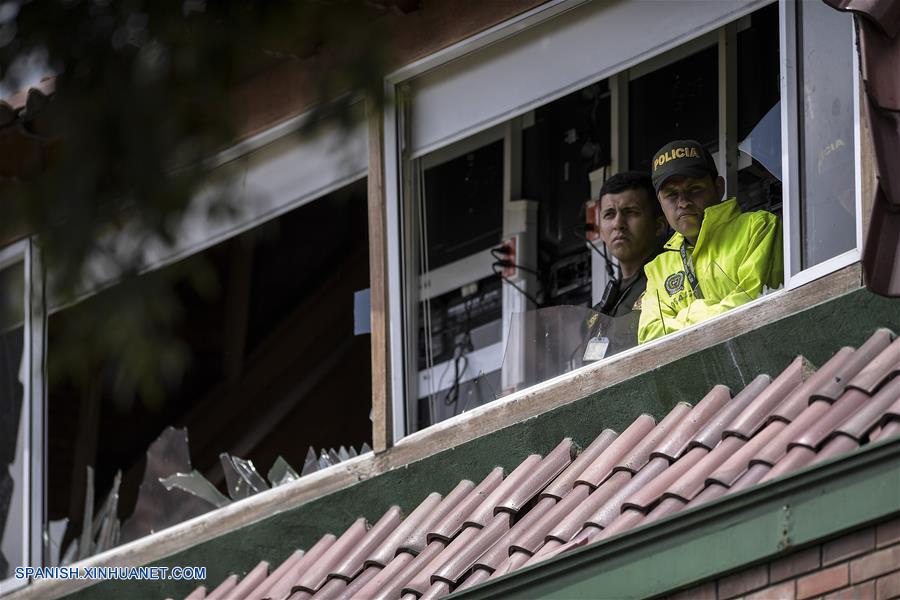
860, 564
284, 90
817, 333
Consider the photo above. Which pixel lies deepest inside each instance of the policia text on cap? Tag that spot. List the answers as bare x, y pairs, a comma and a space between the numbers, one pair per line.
718, 258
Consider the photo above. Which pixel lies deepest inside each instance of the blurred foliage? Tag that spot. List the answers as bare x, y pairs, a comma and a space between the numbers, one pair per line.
141, 103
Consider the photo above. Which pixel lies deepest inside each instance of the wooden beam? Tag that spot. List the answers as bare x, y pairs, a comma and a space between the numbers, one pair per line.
382, 415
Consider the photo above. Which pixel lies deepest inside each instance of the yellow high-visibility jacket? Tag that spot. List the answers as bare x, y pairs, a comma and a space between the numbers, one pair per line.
736, 255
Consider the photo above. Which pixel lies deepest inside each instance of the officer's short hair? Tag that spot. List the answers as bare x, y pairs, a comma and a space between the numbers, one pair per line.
632, 180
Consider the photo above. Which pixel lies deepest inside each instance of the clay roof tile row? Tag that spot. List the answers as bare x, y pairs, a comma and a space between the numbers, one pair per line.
549, 505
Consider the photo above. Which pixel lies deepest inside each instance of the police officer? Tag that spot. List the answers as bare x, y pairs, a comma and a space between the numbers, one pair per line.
631, 227
718, 258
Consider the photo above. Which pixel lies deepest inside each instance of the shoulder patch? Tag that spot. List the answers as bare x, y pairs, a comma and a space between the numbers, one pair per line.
639, 303
675, 283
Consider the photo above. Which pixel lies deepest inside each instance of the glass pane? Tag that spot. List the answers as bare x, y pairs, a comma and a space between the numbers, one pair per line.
828, 212
12, 462
678, 101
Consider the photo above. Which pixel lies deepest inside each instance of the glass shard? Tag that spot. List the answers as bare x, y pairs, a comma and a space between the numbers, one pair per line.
157, 507
85, 542
197, 485
281, 472
241, 477
311, 463
56, 530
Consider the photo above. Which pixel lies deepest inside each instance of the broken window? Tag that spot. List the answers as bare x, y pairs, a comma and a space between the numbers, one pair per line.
264, 325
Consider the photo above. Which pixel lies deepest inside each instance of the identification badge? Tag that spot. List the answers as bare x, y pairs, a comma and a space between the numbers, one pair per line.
596, 348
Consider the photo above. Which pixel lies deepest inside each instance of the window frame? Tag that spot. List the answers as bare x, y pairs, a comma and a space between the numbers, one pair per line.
794, 274
32, 418
397, 161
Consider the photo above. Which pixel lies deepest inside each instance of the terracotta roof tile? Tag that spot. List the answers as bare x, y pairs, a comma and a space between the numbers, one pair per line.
798, 400
712, 432
252, 580
603, 466
610, 509
860, 421
866, 353
686, 431
274, 576
735, 466
749, 421
480, 516
797, 458
282, 588
377, 586
533, 537
645, 497
549, 505
563, 484
223, 589
359, 582
351, 564
890, 429
452, 523
460, 561
537, 479
333, 588
198, 594
416, 541
777, 446
414, 526
655, 440
692, 482
408, 571
581, 513
499, 552
421, 580
315, 574
884, 366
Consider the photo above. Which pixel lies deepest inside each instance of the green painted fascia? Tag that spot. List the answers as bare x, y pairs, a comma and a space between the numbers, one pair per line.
730, 533
816, 332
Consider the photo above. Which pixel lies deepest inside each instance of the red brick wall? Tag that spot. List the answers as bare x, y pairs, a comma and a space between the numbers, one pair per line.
859, 565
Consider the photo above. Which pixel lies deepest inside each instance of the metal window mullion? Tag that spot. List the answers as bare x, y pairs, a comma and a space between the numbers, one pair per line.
857, 138
727, 67
408, 200
36, 398
393, 233
790, 159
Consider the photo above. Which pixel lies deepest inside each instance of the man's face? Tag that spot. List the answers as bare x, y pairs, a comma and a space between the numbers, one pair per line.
683, 200
628, 225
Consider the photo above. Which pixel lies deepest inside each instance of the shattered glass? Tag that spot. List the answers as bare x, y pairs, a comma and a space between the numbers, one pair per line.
157, 507
310, 463
103, 526
281, 472
85, 543
241, 477
53, 538
196, 484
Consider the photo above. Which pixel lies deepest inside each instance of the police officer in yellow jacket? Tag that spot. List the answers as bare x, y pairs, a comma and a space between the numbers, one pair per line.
719, 258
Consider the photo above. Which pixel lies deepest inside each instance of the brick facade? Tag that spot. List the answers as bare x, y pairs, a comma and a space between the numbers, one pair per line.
864, 564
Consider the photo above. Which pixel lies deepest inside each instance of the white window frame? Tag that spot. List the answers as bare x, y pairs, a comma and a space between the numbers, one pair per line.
33, 424
397, 155
794, 274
